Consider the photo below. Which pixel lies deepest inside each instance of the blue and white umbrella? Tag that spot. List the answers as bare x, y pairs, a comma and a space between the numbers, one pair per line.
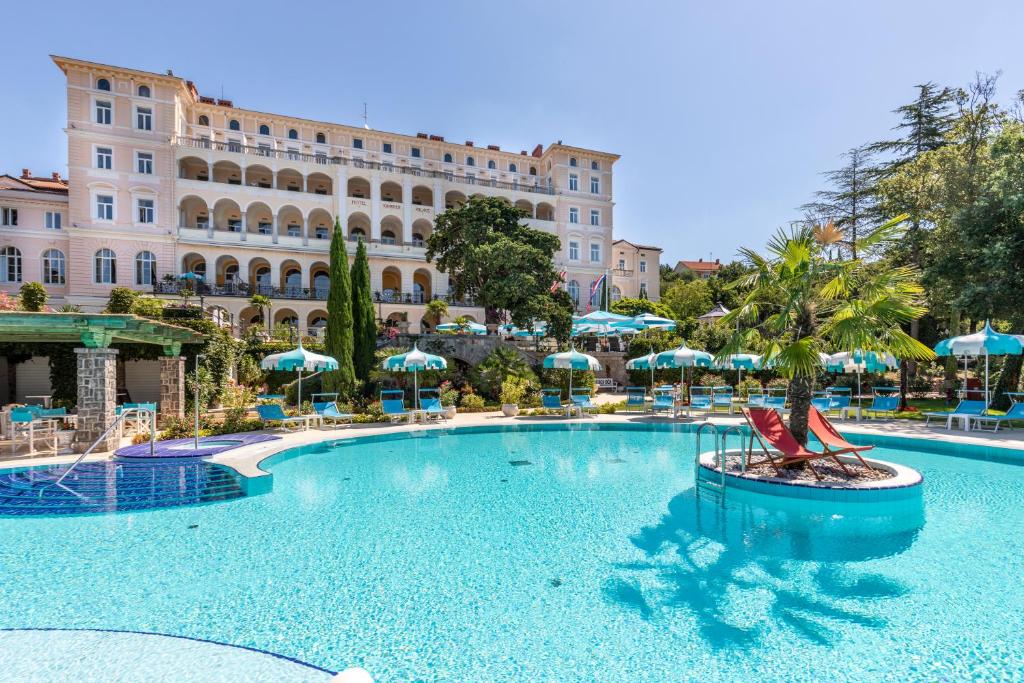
298, 359
602, 317
196, 277
859, 362
414, 361
475, 328
655, 321
739, 362
683, 357
986, 343
643, 363
571, 360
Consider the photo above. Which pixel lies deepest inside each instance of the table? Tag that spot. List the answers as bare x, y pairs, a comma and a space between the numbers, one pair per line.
959, 416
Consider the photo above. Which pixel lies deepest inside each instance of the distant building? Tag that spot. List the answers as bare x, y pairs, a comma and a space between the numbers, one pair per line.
701, 268
714, 315
636, 271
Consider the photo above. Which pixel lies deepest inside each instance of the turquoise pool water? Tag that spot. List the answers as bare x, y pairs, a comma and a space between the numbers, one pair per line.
555, 555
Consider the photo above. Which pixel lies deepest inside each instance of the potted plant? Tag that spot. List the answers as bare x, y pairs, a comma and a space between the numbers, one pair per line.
513, 389
449, 397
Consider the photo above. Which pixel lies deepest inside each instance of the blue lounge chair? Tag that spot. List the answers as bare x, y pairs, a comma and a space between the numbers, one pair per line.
1016, 412
328, 410
551, 399
636, 398
965, 409
821, 403
721, 397
756, 398
664, 401
776, 400
701, 399
273, 412
430, 404
883, 405
392, 403
581, 401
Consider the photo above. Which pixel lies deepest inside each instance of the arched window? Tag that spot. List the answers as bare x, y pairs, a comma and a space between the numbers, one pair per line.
290, 321
470, 161
616, 293
318, 322
387, 237
264, 129
417, 239
143, 91
321, 139
418, 292
231, 274
145, 268
103, 84
574, 292
263, 285
447, 158
572, 161
105, 271
357, 234
204, 120
491, 165
293, 279
533, 170
53, 267
512, 168
234, 125
321, 283
595, 166
10, 265
293, 134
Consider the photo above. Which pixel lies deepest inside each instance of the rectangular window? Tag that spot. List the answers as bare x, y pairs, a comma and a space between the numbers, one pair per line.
574, 251
263, 149
8, 217
595, 186
53, 220
264, 228
294, 231
622, 264
105, 207
104, 158
146, 210
104, 112
357, 143
144, 118
415, 152
574, 182
387, 148
234, 225
643, 266
234, 146
595, 252
595, 217
321, 233
144, 162
643, 290
574, 215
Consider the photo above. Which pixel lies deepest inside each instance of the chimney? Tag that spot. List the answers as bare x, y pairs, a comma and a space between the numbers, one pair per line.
469, 143
523, 153
538, 151
494, 147
437, 138
422, 136
717, 261
56, 176
700, 260
25, 173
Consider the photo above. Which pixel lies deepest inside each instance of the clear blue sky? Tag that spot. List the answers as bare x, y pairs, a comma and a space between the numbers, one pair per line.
724, 113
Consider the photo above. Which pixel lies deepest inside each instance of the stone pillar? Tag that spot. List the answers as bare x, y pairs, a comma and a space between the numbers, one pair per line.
97, 397
172, 387
245, 227
375, 206
438, 197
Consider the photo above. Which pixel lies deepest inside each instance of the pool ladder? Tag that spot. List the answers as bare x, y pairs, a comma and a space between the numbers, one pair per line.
721, 434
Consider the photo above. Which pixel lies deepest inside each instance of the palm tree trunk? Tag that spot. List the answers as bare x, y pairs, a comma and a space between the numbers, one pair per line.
800, 390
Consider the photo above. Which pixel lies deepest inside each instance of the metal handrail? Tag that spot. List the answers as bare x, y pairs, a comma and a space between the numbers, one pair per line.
116, 422
696, 460
738, 430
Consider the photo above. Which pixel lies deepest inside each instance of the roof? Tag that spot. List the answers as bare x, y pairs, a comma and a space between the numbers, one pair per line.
699, 265
29, 183
645, 247
717, 312
94, 330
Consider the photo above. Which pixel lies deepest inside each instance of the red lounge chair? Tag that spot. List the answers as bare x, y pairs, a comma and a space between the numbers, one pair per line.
766, 426
832, 440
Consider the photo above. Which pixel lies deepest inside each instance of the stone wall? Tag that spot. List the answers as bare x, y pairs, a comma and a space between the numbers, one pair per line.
172, 387
97, 397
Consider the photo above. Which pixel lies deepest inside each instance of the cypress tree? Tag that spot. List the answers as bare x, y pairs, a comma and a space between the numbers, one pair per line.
364, 327
339, 319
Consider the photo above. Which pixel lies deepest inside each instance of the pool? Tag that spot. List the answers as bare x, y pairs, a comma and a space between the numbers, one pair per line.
578, 554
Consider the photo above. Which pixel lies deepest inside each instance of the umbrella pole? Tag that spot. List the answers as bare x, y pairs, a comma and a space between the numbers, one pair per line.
299, 371
986, 381
570, 382
416, 387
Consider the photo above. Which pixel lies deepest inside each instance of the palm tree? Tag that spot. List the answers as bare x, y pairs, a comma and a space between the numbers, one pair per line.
803, 302
264, 304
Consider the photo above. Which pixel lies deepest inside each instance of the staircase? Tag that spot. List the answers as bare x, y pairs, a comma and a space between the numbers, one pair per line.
103, 487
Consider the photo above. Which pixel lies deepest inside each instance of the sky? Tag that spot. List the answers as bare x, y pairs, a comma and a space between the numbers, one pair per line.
725, 113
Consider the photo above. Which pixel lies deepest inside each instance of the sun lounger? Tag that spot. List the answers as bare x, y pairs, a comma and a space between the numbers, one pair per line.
831, 440
756, 398
700, 399
721, 397
581, 401
767, 427
273, 412
664, 401
1016, 412
883, 405
392, 404
328, 410
964, 409
636, 399
430, 404
551, 399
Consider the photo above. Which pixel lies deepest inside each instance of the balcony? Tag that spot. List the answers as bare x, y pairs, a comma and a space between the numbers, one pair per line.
622, 272
245, 290
387, 167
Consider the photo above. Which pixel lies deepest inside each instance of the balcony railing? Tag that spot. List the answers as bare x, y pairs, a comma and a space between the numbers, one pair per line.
244, 289
239, 148
622, 272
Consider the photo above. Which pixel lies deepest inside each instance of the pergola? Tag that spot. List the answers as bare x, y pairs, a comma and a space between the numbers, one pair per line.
97, 369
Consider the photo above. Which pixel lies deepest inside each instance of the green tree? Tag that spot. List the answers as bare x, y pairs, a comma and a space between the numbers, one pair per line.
850, 201
436, 310
634, 307
339, 338
803, 301
263, 304
364, 325
688, 300
500, 364
33, 296
121, 300
491, 256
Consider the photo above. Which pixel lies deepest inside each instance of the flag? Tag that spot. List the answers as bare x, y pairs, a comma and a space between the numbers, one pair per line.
558, 283
596, 287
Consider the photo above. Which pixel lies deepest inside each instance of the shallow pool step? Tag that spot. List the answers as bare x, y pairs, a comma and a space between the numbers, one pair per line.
115, 486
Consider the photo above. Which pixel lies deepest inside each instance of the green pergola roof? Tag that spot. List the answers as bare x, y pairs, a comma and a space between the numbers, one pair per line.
94, 330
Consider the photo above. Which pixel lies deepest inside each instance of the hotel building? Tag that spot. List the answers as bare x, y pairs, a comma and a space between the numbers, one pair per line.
163, 181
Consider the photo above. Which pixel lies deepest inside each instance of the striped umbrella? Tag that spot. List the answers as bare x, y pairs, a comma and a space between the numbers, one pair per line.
859, 362
414, 361
986, 343
683, 357
298, 359
643, 363
571, 360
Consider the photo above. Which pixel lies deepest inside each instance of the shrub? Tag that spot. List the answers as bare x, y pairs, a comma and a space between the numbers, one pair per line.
449, 394
140, 437
249, 372
121, 300
513, 389
610, 408
33, 297
489, 375
178, 428
148, 307
472, 403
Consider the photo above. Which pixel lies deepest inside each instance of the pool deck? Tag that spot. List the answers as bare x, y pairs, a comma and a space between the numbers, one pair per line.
245, 459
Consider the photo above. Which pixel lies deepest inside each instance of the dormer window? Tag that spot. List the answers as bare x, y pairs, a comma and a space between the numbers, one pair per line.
595, 166
103, 84
264, 129
204, 120
293, 134
512, 168
234, 125
572, 161
470, 161
321, 139
447, 158
143, 91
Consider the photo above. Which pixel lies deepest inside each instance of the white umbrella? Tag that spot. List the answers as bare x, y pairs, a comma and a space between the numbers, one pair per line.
415, 361
572, 360
299, 359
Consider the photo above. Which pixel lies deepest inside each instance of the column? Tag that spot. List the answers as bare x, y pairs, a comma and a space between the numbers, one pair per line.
305, 231
375, 206
340, 193
209, 171
438, 197
406, 210
274, 229
172, 387
245, 227
273, 179
97, 398
304, 184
